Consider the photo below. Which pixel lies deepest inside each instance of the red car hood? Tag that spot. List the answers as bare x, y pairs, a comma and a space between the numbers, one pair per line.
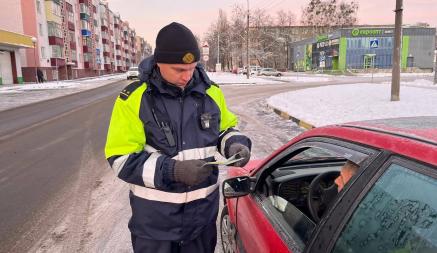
246, 170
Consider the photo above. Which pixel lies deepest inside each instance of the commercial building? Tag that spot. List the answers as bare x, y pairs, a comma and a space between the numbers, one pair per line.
10, 61
364, 47
68, 39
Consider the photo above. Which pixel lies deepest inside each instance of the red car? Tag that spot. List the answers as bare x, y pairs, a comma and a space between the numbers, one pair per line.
289, 202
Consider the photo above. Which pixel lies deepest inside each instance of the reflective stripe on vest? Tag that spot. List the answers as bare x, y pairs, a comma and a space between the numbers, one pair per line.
196, 153
171, 197
118, 164
149, 166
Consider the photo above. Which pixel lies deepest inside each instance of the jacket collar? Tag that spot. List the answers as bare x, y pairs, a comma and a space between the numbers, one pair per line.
149, 73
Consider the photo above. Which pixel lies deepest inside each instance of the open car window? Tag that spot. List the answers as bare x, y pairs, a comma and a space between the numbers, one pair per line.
286, 184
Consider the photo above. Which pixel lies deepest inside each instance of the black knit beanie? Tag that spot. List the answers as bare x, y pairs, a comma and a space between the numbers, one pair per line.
176, 44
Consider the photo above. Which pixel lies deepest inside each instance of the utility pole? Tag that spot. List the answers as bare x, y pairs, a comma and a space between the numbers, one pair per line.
435, 67
247, 42
218, 46
218, 66
396, 70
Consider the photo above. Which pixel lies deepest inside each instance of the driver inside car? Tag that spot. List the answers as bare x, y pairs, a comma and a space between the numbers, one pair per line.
348, 170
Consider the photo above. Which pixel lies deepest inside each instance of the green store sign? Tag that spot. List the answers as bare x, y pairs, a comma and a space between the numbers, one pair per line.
322, 38
366, 32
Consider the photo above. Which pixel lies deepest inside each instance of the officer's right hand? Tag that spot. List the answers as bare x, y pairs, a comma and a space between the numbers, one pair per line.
191, 172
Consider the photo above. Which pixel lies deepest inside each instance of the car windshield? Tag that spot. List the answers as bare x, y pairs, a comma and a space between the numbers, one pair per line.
313, 155
133, 69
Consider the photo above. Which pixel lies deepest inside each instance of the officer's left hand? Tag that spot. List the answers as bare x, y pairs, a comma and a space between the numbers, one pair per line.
242, 151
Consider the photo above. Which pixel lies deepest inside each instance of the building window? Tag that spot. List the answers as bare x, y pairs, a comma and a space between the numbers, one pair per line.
84, 24
72, 37
41, 32
38, 6
84, 9
71, 17
56, 9
43, 52
73, 55
54, 29
56, 51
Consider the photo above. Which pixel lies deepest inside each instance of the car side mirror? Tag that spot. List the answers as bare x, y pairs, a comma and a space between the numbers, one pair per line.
237, 187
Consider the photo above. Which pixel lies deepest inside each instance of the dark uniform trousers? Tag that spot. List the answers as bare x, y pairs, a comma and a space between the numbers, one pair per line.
204, 243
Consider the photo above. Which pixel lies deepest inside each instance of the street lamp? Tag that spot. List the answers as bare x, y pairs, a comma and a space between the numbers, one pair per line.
34, 57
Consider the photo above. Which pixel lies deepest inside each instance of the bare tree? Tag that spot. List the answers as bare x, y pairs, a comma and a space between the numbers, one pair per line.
285, 18
219, 32
238, 36
327, 13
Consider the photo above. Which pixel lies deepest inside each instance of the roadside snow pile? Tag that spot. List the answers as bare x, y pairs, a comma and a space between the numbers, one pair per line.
420, 83
81, 84
354, 102
37, 86
229, 78
304, 79
389, 74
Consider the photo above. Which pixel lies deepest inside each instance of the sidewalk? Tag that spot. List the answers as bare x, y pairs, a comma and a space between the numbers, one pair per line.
315, 107
15, 95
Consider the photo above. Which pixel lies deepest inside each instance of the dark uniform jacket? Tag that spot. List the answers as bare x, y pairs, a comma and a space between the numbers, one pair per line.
153, 124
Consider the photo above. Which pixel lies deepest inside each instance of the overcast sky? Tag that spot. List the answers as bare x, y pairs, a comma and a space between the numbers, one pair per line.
147, 17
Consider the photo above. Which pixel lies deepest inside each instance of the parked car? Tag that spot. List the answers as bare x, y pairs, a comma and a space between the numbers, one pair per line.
132, 73
269, 72
288, 202
253, 70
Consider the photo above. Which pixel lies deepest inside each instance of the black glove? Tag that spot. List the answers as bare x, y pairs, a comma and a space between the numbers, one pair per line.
191, 172
243, 152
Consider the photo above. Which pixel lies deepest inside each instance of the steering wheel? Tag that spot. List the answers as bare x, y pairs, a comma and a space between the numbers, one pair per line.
319, 197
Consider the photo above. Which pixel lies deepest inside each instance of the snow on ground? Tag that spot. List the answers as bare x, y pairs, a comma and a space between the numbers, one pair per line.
420, 83
81, 84
354, 102
230, 78
389, 74
15, 95
303, 78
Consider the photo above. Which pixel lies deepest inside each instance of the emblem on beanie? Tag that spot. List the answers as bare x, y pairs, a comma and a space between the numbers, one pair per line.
188, 58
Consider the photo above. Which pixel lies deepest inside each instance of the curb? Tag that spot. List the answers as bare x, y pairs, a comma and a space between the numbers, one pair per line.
285, 115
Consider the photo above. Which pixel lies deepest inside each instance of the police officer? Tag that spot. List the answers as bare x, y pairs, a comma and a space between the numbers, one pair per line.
163, 131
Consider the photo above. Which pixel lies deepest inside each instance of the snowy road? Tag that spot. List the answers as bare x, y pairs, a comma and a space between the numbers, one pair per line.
90, 210
76, 204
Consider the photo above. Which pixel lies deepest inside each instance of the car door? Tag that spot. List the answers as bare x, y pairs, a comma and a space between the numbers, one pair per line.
260, 227
396, 211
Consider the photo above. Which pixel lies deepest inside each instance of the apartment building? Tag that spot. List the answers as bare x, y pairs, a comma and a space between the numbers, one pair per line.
67, 39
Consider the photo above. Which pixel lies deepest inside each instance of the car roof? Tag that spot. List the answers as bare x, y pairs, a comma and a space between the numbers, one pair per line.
419, 128
417, 136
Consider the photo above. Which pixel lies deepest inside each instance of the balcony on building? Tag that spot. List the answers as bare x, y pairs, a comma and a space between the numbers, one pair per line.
55, 40
84, 16
87, 2
85, 32
87, 45
105, 38
60, 62
104, 24
72, 45
71, 26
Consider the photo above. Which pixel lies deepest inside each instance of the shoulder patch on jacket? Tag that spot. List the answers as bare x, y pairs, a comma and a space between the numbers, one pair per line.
126, 92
